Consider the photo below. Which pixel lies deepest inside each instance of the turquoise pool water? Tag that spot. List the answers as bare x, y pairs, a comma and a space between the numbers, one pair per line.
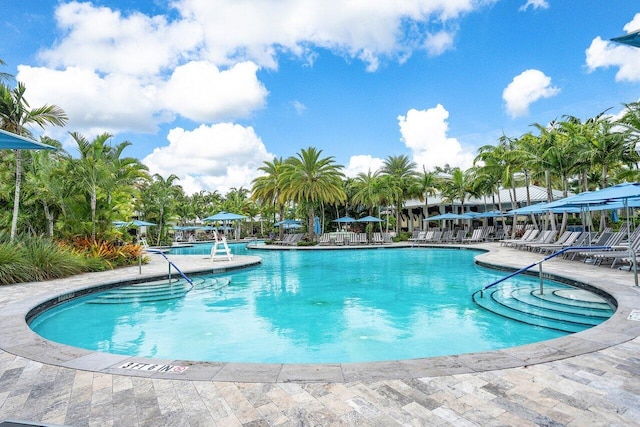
307, 307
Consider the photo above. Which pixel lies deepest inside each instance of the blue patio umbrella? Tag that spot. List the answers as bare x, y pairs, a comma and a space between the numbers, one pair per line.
632, 39
286, 222
489, 214
369, 218
11, 141
344, 220
224, 216
451, 216
317, 229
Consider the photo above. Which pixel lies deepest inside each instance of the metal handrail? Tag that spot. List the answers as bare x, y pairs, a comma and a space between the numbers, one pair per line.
171, 264
553, 255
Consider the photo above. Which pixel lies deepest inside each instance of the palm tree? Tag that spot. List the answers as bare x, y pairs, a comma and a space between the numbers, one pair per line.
364, 188
5, 76
402, 171
458, 187
15, 115
90, 170
42, 183
267, 188
426, 185
309, 180
159, 201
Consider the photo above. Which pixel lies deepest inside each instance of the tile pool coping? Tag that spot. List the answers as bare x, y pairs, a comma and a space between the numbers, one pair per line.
18, 339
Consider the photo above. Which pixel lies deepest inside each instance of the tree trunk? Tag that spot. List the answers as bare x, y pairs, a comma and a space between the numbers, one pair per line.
16, 196
310, 223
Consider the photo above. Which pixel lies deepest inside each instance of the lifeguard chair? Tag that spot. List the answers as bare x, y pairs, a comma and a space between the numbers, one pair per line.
220, 250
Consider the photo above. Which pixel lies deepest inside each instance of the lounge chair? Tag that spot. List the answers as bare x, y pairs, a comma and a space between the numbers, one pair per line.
545, 237
339, 239
386, 238
417, 237
476, 236
616, 252
507, 242
324, 239
567, 239
362, 239
528, 237
377, 238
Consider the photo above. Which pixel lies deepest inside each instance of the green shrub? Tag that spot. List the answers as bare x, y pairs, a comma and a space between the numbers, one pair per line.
48, 260
13, 266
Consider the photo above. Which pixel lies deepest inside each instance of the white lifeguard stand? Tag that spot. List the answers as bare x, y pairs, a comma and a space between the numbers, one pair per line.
220, 250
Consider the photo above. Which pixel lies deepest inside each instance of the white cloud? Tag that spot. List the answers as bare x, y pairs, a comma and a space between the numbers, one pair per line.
604, 54
94, 103
102, 39
436, 44
201, 92
535, 4
119, 102
299, 107
362, 163
425, 133
525, 89
215, 157
634, 25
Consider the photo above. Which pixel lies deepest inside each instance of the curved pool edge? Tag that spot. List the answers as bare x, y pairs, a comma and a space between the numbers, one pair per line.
18, 339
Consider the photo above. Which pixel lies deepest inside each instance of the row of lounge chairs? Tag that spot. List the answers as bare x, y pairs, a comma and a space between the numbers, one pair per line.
620, 245
456, 236
289, 239
342, 239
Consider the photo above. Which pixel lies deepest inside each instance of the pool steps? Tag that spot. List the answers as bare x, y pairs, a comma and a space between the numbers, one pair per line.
555, 309
161, 290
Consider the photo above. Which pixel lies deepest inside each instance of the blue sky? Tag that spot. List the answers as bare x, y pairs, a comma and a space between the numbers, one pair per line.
209, 89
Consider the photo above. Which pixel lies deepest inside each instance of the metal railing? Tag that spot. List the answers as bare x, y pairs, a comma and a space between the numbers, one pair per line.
539, 263
170, 265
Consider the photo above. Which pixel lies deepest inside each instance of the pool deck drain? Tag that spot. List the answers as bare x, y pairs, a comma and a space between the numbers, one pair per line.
589, 377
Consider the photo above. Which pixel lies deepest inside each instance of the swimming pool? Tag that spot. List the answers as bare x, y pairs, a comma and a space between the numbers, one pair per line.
325, 306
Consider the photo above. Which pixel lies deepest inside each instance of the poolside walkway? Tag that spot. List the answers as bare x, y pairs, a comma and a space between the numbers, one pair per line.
591, 378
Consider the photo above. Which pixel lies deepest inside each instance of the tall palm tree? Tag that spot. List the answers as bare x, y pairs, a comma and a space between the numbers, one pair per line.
91, 170
426, 185
402, 170
5, 76
159, 201
42, 183
267, 188
365, 190
458, 187
310, 180
15, 115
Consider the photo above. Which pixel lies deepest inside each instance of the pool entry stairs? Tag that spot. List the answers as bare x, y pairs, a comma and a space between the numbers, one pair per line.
558, 307
160, 290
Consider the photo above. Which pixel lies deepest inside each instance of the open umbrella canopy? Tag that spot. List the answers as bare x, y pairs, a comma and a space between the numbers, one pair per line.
489, 214
135, 222
286, 222
632, 39
11, 141
450, 216
369, 218
344, 220
542, 208
224, 216
618, 192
